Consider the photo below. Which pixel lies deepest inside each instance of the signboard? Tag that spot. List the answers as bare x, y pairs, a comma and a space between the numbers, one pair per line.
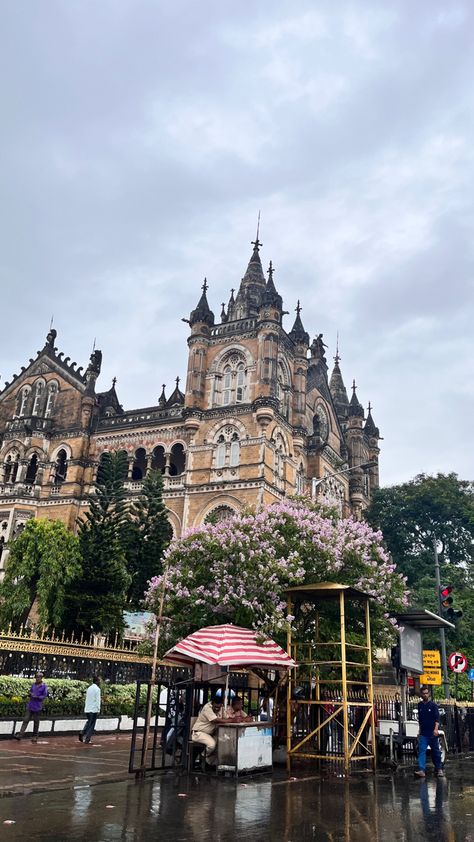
431, 667
411, 650
457, 662
470, 675
139, 625
431, 658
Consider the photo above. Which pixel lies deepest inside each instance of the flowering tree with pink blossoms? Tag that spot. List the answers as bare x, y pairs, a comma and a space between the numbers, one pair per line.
236, 570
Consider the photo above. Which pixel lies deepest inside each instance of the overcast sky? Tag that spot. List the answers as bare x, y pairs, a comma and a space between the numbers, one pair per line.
140, 139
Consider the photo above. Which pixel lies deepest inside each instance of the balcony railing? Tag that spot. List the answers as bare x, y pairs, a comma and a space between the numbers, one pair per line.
29, 423
19, 489
169, 483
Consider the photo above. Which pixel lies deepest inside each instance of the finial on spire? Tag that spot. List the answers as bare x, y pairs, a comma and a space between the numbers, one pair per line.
51, 322
298, 308
337, 358
257, 242
354, 387
114, 380
177, 382
205, 286
93, 345
270, 270
369, 408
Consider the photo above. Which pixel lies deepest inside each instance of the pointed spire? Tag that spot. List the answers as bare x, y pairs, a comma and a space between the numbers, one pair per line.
356, 410
203, 312
369, 428
162, 398
177, 398
297, 333
337, 386
271, 296
223, 313
254, 273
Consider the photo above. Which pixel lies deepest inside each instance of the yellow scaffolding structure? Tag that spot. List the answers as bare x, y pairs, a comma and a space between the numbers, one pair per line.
345, 700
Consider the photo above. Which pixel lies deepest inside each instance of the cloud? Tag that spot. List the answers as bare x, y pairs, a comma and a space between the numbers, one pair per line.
141, 139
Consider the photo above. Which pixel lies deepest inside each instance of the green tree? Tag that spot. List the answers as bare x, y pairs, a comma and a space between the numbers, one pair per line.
43, 561
98, 596
149, 533
412, 516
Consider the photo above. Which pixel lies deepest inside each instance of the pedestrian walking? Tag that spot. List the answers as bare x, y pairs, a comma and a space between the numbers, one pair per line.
428, 725
38, 693
91, 709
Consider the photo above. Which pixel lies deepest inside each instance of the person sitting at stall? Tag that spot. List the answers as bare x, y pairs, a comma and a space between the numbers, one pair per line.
210, 716
235, 712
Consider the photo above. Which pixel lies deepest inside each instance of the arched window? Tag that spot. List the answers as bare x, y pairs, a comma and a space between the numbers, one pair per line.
60, 472
25, 394
230, 384
283, 389
100, 476
300, 481
218, 514
158, 461
139, 465
177, 460
38, 399
51, 397
220, 452
234, 451
31, 470
240, 390
279, 454
227, 450
226, 392
11, 466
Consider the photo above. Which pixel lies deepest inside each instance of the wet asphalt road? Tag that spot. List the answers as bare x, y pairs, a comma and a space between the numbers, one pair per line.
387, 807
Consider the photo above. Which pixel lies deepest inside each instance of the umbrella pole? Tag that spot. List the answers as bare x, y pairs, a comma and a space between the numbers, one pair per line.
226, 691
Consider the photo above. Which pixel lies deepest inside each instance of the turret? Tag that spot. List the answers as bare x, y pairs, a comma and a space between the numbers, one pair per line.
297, 333
202, 317
200, 321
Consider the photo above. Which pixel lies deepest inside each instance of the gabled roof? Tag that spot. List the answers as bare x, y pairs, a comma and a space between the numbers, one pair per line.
48, 359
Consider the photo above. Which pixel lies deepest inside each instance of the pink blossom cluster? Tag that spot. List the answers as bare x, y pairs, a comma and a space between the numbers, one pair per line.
237, 570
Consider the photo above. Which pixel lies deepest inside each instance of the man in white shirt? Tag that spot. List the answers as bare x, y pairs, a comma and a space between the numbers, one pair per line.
91, 709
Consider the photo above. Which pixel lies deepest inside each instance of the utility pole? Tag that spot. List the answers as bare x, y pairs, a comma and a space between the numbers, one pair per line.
442, 638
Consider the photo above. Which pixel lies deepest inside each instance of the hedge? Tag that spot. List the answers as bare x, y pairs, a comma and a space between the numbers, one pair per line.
66, 697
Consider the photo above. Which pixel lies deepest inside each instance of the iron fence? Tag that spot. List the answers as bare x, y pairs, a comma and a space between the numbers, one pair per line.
456, 723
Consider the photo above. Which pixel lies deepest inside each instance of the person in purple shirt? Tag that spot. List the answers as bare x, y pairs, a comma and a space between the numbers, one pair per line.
38, 693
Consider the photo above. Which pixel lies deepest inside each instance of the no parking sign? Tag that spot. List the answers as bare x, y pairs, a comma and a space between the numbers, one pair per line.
457, 662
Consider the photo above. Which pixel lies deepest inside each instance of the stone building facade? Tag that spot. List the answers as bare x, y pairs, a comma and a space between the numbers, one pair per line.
259, 418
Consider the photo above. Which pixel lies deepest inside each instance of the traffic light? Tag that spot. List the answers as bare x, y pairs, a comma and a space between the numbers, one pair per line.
446, 603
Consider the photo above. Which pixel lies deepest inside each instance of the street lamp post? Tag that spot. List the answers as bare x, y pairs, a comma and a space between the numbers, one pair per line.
442, 636
315, 483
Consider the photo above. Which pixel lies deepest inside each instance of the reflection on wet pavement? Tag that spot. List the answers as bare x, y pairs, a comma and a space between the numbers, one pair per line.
394, 808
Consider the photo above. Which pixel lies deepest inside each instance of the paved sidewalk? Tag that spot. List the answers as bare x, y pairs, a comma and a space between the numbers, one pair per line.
62, 762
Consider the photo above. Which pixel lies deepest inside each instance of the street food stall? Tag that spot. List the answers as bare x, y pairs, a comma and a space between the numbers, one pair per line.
241, 746
244, 747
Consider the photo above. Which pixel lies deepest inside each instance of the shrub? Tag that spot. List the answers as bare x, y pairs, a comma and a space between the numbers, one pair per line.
66, 697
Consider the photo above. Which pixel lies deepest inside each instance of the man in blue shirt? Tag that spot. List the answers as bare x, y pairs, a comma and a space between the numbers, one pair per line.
428, 724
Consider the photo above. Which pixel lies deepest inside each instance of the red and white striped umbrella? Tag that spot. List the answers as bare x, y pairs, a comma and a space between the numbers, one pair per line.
229, 646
